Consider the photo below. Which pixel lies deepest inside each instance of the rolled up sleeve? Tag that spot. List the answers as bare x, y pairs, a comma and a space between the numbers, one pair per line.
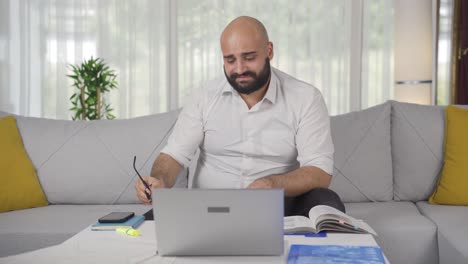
187, 134
313, 138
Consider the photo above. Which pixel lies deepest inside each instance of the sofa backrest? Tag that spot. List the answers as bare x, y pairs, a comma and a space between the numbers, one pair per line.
417, 149
389, 151
363, 161
91, 162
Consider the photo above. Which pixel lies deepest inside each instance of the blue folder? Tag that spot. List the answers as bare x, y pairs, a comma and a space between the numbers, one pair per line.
133, 222
329, 254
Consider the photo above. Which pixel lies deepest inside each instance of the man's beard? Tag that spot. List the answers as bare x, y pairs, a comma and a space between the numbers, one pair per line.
255, 85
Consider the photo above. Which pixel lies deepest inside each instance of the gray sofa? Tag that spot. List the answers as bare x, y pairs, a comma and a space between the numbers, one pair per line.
387, 162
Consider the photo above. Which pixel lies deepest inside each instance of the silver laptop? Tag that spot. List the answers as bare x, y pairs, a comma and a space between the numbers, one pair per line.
218, 222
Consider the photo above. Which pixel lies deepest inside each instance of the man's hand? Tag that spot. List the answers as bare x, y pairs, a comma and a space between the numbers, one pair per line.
141, 189
262, 183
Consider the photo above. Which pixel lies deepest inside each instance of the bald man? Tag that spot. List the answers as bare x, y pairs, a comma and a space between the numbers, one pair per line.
256, 127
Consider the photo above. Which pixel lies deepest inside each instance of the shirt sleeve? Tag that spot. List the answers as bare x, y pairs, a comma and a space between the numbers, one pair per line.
188, 132
313, 137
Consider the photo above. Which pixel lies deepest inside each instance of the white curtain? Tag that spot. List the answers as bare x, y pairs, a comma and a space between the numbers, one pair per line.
164, 49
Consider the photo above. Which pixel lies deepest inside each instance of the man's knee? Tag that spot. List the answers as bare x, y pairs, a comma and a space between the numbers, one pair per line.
317, 196
325, 196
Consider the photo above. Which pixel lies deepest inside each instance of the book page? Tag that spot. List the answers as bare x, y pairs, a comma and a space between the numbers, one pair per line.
323, 214
324, 211
298, 223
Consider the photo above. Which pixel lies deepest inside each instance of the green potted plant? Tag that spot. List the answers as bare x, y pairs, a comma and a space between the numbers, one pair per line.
92, 79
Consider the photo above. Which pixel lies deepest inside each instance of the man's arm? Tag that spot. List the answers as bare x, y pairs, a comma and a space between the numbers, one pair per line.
163, 175
315, 152
181, 146
165, 169
296, 182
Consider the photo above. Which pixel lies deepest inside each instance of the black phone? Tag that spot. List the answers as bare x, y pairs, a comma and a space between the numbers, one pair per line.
116, 217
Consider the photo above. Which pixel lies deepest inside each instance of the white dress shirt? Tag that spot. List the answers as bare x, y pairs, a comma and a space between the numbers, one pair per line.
289, 128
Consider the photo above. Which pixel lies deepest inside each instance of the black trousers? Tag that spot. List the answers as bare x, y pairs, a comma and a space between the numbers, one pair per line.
300, 205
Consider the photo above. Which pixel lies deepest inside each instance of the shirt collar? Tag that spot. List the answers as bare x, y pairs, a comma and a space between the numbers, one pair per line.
272, 88
271, 91
227, 87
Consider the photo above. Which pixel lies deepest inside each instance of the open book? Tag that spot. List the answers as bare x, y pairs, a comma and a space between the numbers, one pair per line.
326, 218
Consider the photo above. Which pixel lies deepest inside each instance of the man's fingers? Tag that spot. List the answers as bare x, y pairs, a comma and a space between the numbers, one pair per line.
140, 186
145, 198
142, 198
151, 180
142, 191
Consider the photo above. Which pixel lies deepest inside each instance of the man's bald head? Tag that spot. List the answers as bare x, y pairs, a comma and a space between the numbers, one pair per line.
248, 27
247, 53
246, 34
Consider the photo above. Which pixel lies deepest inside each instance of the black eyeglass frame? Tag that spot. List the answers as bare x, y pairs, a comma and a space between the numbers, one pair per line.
141, 178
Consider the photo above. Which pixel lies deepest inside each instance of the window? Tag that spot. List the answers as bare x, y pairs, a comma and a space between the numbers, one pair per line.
163, 50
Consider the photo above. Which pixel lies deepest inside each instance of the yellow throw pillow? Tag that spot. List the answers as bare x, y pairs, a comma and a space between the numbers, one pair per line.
19, 185
452, 187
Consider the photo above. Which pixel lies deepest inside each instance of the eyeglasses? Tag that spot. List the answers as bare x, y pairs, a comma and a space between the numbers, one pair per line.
141, 178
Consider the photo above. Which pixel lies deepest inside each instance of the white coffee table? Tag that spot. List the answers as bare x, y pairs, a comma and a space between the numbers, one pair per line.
112, 247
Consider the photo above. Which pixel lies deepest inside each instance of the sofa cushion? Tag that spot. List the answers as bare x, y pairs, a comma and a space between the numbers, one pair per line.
417, 149
31, 229
363, 163
19, 188
404, 235
452, 230
91, 162
453, 182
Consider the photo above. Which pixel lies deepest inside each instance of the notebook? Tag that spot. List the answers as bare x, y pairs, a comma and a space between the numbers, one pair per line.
133, 222
223, 222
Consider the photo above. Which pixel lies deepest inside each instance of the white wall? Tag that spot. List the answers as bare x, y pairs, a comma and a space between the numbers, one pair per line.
413, 50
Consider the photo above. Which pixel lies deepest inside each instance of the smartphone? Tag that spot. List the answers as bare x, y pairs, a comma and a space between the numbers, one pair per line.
116, 217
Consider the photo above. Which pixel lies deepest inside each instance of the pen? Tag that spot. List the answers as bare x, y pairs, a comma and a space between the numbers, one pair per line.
141, 178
